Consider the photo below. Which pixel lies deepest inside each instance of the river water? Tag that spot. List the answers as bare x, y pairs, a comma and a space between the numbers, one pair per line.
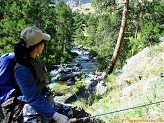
88, 66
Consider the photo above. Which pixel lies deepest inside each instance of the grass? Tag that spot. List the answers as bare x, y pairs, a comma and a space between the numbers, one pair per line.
157, 49
114, 101
58, 88
153, 64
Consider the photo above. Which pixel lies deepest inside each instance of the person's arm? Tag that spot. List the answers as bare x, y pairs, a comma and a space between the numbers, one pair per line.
30, 91
33, 96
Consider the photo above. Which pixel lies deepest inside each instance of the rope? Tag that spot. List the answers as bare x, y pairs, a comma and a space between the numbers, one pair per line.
88, 117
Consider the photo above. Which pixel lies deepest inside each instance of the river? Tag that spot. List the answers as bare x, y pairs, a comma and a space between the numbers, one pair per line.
80, 63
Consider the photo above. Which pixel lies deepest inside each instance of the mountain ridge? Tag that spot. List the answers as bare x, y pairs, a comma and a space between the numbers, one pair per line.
75, 3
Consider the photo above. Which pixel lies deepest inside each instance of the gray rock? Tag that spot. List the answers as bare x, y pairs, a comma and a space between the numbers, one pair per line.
129, 69
161, 39
101, 88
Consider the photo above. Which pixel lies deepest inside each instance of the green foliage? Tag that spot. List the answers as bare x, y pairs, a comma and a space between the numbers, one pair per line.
79, 28
9, 24
136, 45
93, 53
111, 79
79, 84
65, 26
75, 89
93, 99
59, 88
149, 21
150, 31
105, 5
101, 60
156, 50
17, 15
66, 57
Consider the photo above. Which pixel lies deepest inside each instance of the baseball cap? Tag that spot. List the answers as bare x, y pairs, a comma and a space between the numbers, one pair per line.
33, 35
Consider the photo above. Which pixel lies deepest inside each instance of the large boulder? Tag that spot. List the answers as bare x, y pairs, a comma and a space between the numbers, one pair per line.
64, 77
128, 72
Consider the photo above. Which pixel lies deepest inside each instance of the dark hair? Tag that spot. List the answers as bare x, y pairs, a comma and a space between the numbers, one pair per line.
22, 51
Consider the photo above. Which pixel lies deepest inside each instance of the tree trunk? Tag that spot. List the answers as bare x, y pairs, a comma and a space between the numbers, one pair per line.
120, 39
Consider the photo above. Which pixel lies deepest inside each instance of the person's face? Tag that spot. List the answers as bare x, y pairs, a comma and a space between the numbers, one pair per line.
40, 47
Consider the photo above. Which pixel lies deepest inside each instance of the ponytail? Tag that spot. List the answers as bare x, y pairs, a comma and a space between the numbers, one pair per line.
22, 51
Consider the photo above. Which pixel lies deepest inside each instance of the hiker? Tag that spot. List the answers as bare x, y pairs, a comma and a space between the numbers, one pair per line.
33, 86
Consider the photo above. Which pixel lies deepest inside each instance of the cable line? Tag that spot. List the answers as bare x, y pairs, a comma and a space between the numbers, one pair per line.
88, 117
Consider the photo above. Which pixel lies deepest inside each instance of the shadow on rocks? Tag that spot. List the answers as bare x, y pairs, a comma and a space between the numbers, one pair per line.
1, 117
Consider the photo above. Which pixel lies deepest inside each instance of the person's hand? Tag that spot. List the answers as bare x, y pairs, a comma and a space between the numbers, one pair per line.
59, 118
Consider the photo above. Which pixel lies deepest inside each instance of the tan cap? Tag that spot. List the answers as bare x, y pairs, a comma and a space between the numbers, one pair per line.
33, 35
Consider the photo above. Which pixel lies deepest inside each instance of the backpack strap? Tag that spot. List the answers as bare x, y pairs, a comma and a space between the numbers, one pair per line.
18, 65
28, 65
12, 109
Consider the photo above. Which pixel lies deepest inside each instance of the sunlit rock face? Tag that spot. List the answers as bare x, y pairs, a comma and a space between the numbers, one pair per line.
74, 3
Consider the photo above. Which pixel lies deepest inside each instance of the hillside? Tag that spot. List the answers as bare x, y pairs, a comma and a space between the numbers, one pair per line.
140, 82
85, 8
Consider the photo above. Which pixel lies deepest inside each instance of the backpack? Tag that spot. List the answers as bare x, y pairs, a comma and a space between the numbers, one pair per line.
7, 89
11, 107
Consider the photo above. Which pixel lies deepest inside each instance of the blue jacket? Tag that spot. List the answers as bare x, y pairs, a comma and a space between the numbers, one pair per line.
31, 93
